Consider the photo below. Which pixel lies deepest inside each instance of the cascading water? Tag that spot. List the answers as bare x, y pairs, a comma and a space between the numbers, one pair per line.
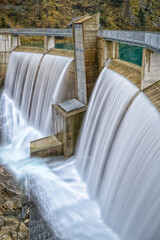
28, 90
129, 193
108, 105
50, 88
118, 159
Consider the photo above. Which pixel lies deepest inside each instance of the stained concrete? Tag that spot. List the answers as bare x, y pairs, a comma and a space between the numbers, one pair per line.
67, 127
153, 93
49, 43
5, 49
46, 147
150, 68
29, 49
71, 105
129, 70
85, 32
61, 52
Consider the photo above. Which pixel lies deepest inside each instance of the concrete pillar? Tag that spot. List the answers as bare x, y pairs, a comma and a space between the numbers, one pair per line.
49, 42
5, 48
111, 50
101, 53
67, 118
85, 31
15, 41
150, 68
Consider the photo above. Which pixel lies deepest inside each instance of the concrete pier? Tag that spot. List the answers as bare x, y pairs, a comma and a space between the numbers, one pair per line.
150, 68
49, 42
67, 118
85, 32
5, 49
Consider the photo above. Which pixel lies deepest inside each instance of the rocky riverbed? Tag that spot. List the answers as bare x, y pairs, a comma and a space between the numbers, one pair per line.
14, 208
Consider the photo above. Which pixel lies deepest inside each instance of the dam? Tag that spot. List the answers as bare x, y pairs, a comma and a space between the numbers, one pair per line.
109, 188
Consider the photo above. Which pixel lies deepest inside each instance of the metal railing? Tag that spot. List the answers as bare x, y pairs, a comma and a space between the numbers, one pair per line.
148, 40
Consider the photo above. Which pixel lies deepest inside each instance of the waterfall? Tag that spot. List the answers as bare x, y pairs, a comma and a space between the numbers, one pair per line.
110, 189
107, 107
49, 89
119, 158
33, 82
129, 193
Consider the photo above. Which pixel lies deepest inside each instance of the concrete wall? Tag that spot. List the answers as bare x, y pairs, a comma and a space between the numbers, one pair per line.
101, 53
5, 48
91, 27
71, 91
7, 44
67, 127
150, 68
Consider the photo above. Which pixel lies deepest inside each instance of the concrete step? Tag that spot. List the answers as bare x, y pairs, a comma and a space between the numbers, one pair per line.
46, 147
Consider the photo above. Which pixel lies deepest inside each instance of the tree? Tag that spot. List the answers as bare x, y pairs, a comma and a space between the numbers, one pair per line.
3, 23
142, 18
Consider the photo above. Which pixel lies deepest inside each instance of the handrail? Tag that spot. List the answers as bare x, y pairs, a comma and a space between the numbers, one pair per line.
150, 40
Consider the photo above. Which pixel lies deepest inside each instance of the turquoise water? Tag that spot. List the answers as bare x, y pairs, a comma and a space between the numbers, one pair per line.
127, 53
130, 53
68, 46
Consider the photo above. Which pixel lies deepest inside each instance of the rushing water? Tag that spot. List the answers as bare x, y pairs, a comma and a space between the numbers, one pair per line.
110, 189
29, 77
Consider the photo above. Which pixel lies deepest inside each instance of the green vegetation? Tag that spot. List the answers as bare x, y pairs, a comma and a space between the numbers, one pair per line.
34, 41
115, 14
3, 23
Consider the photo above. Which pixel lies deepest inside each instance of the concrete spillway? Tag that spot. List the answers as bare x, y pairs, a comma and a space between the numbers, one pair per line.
110, 189
29, 77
